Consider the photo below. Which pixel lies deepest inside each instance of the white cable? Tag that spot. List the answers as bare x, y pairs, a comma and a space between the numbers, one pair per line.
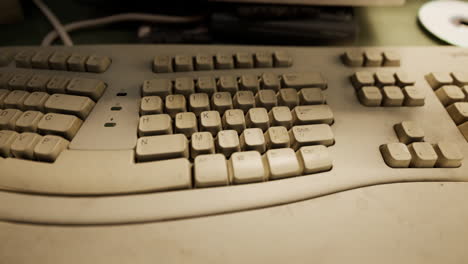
51, 36
55, 22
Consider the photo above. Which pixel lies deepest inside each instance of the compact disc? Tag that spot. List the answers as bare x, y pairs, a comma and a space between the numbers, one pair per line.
447, 20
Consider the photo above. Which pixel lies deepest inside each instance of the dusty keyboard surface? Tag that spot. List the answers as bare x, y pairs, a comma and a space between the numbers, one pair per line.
186, 131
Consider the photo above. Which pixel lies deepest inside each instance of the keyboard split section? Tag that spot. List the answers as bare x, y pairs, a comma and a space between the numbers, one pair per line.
237, 129
40, 114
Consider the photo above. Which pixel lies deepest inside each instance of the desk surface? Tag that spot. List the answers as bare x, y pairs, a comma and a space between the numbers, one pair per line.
379, 26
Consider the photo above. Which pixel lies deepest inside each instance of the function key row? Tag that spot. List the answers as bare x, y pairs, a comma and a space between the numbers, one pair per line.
452, 91
221, 61
188, 123
371, 58
231, 84
387, 89
62, 60
92, 88
222, 101
227, 142
413, 152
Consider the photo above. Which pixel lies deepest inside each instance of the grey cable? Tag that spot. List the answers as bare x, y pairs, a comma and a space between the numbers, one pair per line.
55, 22
51, 36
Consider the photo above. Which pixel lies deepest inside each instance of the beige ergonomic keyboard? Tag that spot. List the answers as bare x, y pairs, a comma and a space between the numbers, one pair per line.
130, 153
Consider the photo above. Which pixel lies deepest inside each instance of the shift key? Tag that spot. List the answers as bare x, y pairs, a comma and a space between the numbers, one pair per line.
69, 104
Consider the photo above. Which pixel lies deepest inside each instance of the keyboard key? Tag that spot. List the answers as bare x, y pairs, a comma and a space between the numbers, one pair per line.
97, 64
7, 137
204, 62
392, 96
211, 170
152, 125
464, 130
228, 84
234, 119
221, 101
162, 147
396, 155
263, 59
41, 59
277, 137
449, 155
243, 60
162, 64
36, 101
314, 159
37, 83
210, 121
24, 144
69, 104
311, 135
312, 114
409, 132
281, 116
460, 78
76, 62
247, 167
227, 142
373, 58
50, 147
224, 61
438, 79
23, 58
424, 155
311, 96
202, 143
244, 100
288, 97
159, 87
384, 79
270, 81
282, 163
5, 78
151, 105
459, 112
15, 99
370, 96
59, 124
184, 86
57, 84
86, 87
282, 59
391, 59
449, 94
3, 94
183, 63
414, 96
186, 123
361, 79
266, 99
253, 139
28, 121
58, 61
199, 102
19, 81
8, 118
249, 82
404, 79
257, 118
206, 84
353, 58
175, 103
6, 56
